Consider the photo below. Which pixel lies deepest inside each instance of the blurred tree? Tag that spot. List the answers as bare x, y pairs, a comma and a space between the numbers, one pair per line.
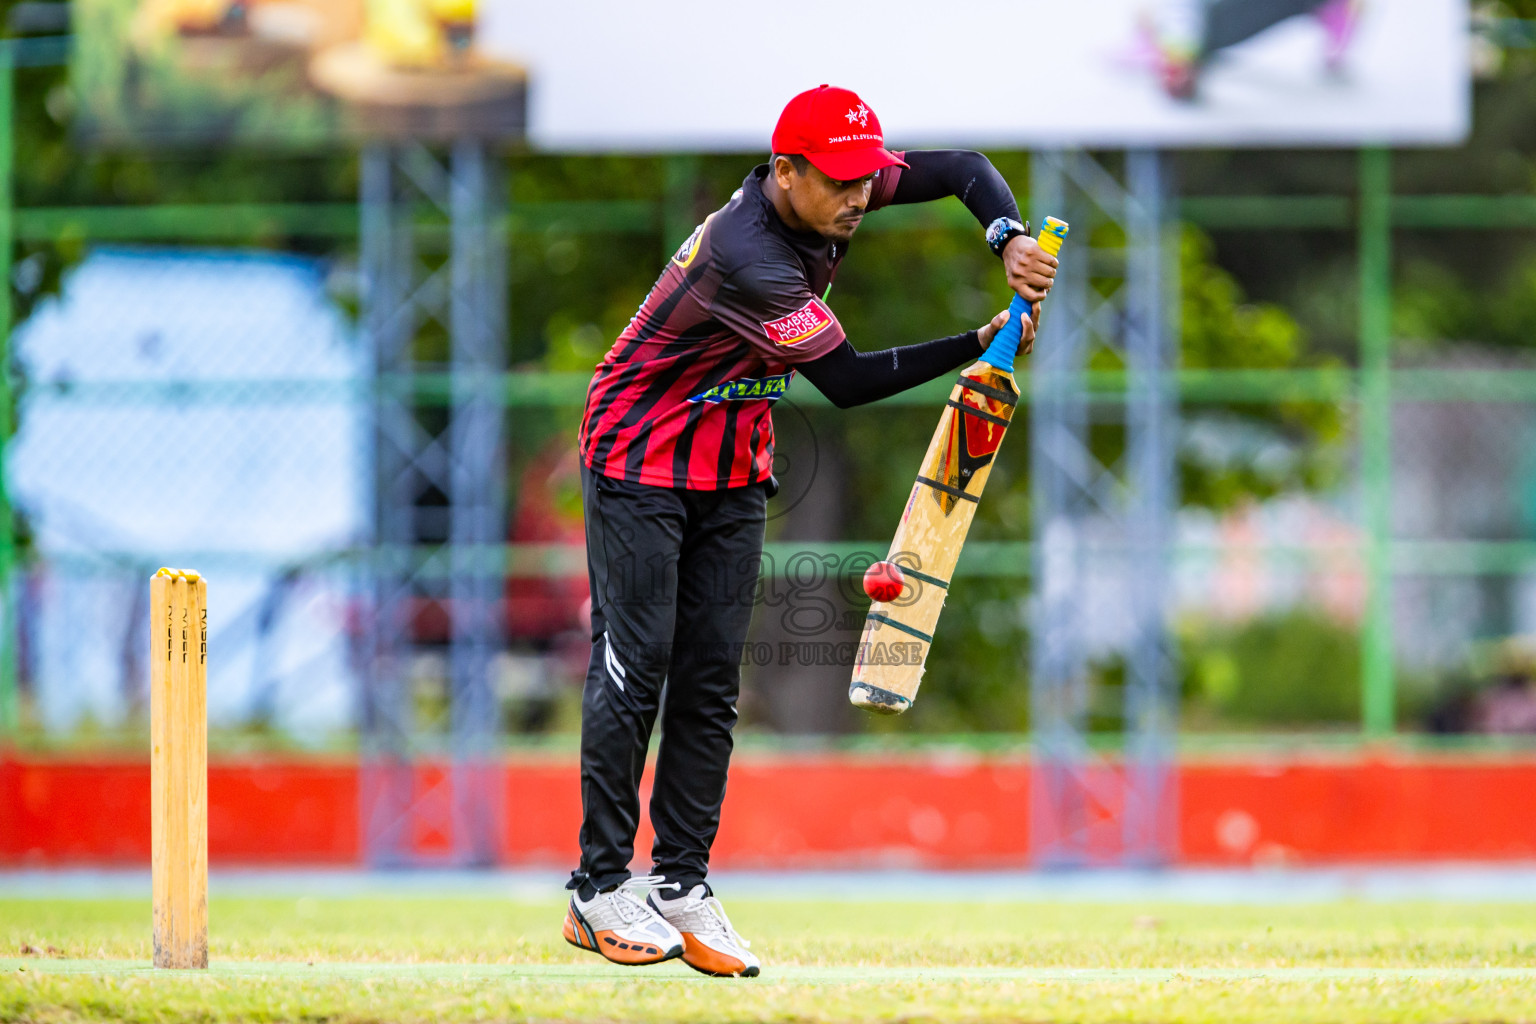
1289, 669
1435, 303
1238, 452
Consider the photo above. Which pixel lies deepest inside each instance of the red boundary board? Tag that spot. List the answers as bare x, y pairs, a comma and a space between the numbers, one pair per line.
941, 811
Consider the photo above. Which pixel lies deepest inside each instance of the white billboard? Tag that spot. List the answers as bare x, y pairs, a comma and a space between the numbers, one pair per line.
713, 75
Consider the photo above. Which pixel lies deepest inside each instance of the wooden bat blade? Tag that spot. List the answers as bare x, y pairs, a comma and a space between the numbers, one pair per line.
897, 634
888, 667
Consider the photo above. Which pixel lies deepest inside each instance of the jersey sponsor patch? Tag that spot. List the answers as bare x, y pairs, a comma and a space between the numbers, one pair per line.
743, 388
801, 325
690, 248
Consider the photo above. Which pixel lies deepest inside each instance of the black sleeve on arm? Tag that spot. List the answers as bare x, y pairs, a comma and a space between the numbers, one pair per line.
935, 173
849, 377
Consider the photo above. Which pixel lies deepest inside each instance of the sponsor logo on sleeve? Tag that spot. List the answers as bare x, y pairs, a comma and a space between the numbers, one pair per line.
690, 248
745, 388
801, 325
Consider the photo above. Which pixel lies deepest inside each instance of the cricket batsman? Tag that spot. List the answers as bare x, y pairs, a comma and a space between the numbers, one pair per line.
677, 451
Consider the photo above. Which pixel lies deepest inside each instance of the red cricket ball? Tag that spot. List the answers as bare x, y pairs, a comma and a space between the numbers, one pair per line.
883, 581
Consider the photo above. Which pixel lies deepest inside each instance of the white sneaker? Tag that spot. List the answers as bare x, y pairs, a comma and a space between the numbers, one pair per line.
620, 926
710, 944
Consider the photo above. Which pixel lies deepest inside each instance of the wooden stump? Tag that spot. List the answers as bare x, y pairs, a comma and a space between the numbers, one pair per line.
178, 712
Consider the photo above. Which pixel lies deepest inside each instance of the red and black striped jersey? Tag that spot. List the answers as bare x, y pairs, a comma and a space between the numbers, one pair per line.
684, 397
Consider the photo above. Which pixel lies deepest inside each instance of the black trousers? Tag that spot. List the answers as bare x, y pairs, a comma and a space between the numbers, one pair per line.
1229, 22
673, 574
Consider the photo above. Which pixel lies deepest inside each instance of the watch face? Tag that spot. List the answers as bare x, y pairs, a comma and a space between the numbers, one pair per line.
1000, 229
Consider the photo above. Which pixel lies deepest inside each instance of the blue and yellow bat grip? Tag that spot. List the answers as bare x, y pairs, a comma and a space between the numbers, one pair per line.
1005, 344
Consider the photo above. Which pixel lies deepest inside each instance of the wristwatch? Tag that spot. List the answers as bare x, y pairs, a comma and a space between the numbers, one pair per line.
1001, 230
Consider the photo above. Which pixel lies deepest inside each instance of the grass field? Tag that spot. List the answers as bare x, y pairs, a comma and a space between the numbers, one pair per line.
456, 959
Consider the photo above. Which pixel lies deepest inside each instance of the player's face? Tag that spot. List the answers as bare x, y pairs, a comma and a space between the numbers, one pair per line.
831, 208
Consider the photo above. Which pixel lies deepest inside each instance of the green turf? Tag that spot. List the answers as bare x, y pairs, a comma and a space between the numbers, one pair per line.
480, 959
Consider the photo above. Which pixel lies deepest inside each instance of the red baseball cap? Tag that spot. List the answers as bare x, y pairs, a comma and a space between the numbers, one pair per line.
835, 131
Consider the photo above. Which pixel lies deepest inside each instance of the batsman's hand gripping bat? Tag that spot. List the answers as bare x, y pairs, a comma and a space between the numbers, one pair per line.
927, 544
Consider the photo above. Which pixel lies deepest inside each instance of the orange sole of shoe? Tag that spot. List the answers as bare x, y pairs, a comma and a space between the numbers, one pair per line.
715, 964
612, 948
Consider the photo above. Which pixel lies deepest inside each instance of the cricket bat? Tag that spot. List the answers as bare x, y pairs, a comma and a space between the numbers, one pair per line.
898, 633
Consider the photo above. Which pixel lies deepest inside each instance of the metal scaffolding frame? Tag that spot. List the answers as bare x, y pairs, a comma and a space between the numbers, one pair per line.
1097, 523
429, 790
